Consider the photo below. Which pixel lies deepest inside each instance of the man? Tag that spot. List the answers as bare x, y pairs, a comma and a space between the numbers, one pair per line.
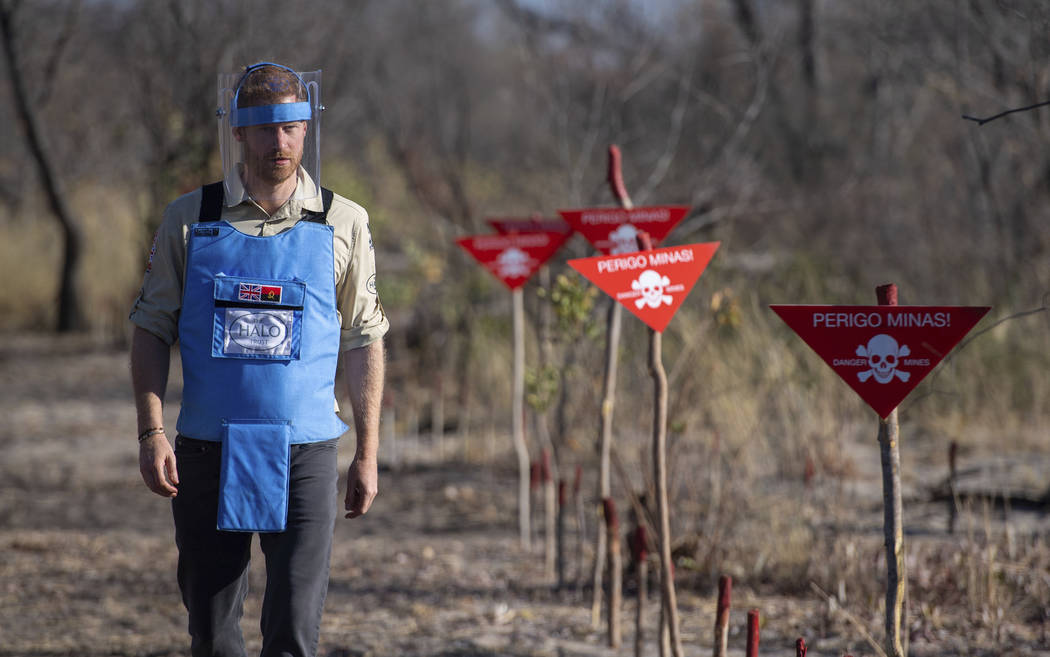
267, 281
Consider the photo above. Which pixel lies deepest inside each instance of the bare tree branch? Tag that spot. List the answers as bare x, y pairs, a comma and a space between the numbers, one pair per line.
663, 163
1002, 114
51, 67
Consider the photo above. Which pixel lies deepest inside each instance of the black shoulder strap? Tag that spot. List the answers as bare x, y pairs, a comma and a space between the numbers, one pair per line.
213, 194
326, 203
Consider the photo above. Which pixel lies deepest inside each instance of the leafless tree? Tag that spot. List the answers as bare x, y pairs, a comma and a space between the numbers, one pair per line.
70, 315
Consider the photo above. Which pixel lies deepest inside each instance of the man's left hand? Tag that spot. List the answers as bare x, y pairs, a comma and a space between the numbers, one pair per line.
362, 485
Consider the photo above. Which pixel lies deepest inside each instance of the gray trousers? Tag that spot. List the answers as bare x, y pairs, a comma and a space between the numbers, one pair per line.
213, 564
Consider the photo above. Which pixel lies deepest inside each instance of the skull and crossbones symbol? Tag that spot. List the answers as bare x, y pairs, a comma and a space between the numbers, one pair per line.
624, 239
883, 354
651, 284
513, 263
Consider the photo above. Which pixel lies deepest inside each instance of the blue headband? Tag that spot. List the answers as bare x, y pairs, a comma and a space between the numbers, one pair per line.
264, 114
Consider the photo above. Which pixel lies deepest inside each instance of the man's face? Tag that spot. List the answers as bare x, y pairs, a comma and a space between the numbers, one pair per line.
272, 152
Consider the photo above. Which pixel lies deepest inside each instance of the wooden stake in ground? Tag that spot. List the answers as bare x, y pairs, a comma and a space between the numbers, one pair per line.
640, 555
893, 524
612, 346
877, 376
518, 418
490, 251
549, 514
953, 495
752, 633
725, 592
581, 524
612, 529
668, 599
560, 534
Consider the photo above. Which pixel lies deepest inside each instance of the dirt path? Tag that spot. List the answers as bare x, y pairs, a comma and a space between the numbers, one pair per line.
87, 556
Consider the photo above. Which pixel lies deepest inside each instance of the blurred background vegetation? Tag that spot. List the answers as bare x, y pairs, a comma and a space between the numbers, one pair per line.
820, 141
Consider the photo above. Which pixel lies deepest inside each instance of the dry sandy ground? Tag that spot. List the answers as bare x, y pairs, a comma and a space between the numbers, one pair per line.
87, 557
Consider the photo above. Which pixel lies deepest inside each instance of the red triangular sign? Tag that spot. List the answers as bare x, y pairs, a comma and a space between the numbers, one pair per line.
507, 225
615, 230
651, 284
882, 352
516, 257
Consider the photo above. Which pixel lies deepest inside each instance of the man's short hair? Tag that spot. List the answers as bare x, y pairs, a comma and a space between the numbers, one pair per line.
269, 85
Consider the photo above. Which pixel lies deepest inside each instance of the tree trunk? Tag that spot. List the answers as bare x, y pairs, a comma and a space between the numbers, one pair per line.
70, 310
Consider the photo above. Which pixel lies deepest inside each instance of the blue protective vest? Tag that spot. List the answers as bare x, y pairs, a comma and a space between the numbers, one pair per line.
259, 331
259, 339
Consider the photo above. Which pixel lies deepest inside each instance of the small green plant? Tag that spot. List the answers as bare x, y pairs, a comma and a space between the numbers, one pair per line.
572, 300
541, 387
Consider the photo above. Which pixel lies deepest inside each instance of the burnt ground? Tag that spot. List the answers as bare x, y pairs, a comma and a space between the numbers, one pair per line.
87, 556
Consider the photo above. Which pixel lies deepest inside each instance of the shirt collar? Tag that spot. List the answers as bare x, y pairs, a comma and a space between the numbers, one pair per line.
305, 197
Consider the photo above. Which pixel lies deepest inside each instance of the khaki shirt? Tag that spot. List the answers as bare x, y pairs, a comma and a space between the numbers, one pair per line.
362, 319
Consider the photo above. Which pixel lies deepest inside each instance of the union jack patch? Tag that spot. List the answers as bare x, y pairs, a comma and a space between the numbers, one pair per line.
249, 292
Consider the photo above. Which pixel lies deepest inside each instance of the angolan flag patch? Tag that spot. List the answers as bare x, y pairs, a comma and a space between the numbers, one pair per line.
253, 292
271, 293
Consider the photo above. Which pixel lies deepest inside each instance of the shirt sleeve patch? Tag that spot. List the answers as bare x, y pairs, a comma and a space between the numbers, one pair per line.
152, 252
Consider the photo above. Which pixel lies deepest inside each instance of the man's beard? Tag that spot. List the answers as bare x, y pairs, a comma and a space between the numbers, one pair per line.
268, 170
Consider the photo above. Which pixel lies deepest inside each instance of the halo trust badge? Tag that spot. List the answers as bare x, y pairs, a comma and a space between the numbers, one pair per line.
257, 331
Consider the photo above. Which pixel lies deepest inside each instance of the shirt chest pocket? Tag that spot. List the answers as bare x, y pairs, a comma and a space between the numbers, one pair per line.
257, 318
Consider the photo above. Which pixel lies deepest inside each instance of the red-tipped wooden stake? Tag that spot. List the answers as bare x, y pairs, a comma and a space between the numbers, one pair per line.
535, 481
725, 593
615, 177
561, 534
612, 528
752, 633
640, 554
800, 647
612, 347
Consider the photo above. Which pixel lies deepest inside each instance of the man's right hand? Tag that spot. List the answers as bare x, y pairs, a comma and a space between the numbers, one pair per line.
157, 465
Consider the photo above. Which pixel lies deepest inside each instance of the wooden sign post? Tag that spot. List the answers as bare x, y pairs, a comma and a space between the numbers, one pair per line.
613, 231
513, 259
652, 284
539, 224
883, 352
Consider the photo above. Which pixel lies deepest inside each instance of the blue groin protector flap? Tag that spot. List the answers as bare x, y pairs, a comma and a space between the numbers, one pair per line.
253, 487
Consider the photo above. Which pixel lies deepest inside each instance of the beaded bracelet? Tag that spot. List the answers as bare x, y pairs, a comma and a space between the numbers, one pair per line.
152, 431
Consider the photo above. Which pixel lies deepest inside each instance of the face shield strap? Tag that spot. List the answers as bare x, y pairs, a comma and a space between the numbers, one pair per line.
264, 114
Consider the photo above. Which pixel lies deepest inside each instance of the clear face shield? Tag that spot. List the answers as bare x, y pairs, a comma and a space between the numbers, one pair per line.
270, 132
